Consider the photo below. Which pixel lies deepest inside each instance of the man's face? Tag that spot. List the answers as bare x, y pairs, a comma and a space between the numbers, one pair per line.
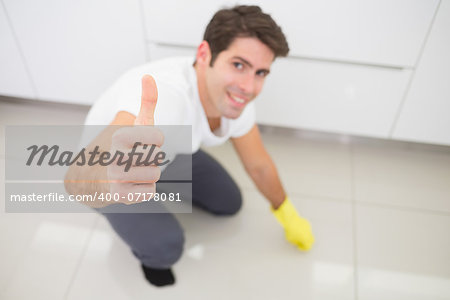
237, 76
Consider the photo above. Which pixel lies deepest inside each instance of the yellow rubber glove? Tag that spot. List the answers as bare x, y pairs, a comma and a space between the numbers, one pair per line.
297, 229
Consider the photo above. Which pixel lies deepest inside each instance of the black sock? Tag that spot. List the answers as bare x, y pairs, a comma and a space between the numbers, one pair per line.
159, 277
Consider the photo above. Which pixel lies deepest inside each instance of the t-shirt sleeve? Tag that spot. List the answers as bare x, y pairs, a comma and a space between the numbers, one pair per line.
245, 122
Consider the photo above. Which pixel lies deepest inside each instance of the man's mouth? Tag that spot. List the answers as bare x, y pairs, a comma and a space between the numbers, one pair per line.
236, 100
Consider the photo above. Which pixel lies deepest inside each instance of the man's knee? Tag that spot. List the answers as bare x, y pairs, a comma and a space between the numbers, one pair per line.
229, 205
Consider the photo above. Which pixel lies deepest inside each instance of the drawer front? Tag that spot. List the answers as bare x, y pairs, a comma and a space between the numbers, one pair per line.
332, 97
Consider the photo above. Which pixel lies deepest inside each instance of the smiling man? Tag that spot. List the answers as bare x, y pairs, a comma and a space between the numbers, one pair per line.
215, 95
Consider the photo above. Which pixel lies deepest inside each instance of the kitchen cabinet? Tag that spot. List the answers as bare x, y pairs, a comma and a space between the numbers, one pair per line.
425, 115
14, 79
75, 49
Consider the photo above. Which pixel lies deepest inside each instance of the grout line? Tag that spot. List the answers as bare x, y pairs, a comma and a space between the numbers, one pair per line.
354, 223
321, 197
300, 195
346, 200
411, 78
144, 31
406, 208
21, 54
82, 255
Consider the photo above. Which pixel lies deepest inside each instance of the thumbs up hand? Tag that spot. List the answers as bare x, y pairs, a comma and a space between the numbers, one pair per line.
137, 179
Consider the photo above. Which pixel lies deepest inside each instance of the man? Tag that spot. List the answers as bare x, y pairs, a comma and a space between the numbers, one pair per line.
215, 96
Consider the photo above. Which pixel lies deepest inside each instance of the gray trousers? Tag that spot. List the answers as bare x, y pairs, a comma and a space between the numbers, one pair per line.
157, 239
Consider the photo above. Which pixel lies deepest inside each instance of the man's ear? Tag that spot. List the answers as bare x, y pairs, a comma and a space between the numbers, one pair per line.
203, 56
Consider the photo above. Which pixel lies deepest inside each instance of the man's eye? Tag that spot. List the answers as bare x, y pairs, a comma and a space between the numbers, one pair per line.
262, 73
238, 65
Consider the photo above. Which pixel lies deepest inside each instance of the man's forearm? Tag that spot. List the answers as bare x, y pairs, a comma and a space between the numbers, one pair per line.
268, 182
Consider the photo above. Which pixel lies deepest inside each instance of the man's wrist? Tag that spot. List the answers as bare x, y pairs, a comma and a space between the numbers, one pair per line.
276, 205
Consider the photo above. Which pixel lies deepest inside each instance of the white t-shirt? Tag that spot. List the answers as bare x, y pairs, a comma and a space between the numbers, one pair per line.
178, 102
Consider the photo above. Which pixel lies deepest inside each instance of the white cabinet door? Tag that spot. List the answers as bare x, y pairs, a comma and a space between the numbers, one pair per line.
75, 49
425, 116
332, 97
179, 22
380, 32
14, 80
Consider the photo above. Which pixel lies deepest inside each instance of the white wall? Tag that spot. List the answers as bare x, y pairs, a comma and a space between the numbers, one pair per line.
367, 67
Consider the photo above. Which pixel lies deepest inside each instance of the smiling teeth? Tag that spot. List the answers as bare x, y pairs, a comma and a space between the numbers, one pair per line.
238, 100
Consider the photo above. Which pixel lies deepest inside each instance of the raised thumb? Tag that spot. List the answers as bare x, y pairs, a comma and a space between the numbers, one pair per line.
149, 98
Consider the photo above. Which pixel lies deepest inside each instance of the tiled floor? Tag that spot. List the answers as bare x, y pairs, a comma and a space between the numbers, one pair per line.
380, 213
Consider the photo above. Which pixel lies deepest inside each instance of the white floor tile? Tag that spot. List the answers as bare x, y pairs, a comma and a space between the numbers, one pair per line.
402, 254
39, 252
402, 177
229, 159
240, 257
108, 270
314, 168
42, 253
402, 231
37, 114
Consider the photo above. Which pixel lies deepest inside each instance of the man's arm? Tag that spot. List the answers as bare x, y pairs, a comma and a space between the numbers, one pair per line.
259, 166
262, 170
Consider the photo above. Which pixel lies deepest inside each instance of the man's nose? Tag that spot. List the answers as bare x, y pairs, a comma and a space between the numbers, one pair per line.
247, 84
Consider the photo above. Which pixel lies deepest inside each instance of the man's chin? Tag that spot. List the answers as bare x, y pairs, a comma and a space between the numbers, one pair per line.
232, 115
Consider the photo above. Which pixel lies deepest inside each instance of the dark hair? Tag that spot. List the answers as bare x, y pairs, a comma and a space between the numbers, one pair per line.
244, 21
